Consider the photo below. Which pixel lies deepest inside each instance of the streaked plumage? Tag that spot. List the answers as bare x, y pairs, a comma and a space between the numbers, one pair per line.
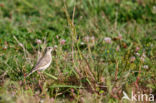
44, 62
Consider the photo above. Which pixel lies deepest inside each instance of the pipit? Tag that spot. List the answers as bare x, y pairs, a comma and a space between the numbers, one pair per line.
44, 62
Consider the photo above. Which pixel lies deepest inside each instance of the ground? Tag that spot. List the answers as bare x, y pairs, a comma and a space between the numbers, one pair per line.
102, 49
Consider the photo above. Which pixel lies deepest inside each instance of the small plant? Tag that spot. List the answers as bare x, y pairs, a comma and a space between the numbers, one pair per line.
102, 50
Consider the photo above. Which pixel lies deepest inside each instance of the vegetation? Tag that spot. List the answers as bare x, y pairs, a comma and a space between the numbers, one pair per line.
102, 48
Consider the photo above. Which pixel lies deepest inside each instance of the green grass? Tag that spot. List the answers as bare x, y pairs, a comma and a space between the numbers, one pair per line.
85, 68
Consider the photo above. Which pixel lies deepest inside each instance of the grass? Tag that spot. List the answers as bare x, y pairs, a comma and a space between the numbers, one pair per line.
109, 48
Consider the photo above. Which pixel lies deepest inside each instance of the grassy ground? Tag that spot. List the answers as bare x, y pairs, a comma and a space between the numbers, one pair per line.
104, 47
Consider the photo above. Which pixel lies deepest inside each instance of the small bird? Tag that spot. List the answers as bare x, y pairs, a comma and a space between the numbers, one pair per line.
44, 62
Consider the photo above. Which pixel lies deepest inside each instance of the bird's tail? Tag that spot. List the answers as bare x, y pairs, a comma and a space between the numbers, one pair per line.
30, 73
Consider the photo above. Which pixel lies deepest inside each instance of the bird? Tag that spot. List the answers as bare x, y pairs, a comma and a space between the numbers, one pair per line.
44, 62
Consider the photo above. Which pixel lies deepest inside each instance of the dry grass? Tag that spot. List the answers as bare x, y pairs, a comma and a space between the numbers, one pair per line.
101, 49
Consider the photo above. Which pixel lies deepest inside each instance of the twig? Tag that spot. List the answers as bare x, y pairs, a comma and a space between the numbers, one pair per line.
5, 73
73, 15
89, 68
73, 34
21, 45
116, 72
50, 75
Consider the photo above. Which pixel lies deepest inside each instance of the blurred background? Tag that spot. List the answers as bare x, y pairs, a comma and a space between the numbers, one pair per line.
103, 47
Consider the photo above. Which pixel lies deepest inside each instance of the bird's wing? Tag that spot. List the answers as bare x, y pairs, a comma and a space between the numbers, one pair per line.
42, 62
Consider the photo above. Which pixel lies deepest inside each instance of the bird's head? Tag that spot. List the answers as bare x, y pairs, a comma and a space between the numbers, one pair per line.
49, 49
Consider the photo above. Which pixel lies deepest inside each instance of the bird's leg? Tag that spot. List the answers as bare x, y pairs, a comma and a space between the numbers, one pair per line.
39, 72
43, 77
40, 85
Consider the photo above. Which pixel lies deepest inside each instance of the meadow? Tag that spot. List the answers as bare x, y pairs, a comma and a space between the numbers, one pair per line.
102, 49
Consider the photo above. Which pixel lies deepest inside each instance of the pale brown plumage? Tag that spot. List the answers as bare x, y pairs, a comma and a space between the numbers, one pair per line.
44, 62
